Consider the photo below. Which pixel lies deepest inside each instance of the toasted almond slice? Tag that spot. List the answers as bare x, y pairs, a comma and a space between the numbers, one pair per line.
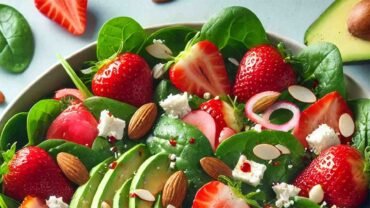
144, 195
105, 204
215, 167
159, 50
170, 206
266, 151
265, 101
302, 94
316, 194
158, 70
283, 149
346, 125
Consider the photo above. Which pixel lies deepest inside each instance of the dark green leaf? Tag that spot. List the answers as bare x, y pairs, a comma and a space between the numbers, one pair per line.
163, 90
15, 130
7, 202
6, 157
361, 113
301, 202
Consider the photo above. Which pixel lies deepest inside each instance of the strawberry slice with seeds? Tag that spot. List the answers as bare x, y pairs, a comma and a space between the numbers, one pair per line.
200, 69
70, 14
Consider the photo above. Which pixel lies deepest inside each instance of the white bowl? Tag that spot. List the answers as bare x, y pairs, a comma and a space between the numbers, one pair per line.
55, 77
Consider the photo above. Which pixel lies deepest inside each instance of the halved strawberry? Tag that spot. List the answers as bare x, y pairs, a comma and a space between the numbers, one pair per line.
33, 202
326, 110
69, 14
216, 195
200, 69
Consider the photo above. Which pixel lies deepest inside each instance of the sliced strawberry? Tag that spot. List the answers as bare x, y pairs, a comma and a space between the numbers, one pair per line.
75, 124
33, 202
69, 93
217, 195
326, 110
201, 69
69, 14
205, 123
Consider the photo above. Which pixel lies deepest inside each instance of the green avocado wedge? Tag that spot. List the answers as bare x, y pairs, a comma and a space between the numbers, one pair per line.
84, 194
120, 199
126, 166
151, 176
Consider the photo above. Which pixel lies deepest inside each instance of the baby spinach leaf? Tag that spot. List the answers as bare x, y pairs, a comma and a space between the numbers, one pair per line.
278, 170
7, 202
16, 40
120, 34
361, 113
320, 64
163, 90
188, 155
39, 119
234, 25
302, 202
51, 143
15, 130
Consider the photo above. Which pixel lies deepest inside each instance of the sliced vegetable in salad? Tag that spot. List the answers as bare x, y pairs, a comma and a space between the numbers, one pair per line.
216, 117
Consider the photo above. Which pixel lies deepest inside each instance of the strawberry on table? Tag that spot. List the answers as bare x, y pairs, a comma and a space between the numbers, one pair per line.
262, 69
200, 69
340, 172
70, 14
126, 78
32, 171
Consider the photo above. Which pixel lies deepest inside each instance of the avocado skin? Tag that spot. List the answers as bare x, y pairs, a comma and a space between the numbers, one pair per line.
331, 27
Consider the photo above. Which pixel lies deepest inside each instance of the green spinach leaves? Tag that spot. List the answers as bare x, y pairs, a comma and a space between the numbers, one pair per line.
361, 112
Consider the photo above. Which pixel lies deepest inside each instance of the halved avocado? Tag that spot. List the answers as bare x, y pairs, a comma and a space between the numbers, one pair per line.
120, 199
151, 176
331, 26
84, 194
126, 166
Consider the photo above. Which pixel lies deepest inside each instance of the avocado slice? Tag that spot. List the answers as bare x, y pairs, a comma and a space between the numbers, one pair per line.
85, 193
331, 26
151, 176
126, 165
120, 199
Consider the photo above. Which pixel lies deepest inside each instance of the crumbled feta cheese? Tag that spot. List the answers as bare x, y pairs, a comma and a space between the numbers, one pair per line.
207, 95
322, 138
158, 41
56, 202
176, 105
111, 126
284, 192
172, 165
290, 166
254, 176
257, 128
233, 61
172, 157
217, 97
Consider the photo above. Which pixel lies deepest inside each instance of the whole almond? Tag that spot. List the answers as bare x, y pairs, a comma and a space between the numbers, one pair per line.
2, 97
265, 102
73, 168
174, 190
142, 121
215, 167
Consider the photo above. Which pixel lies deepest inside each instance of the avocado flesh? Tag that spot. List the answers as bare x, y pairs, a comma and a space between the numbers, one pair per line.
85, 193
125, 168
120, 199
331, 26
151, 176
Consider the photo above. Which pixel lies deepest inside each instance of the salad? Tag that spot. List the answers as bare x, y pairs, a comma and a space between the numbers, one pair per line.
216, 117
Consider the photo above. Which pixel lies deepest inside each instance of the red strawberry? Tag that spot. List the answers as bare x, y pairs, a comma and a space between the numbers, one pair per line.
216, 195
32, 171
75, 124
70, 14
326, 110
262, 69
126, 78
201, 69
339, 170
33, 202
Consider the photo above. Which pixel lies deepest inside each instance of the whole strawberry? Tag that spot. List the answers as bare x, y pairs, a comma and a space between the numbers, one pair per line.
262, 69
32, 171
126, 78
340, 172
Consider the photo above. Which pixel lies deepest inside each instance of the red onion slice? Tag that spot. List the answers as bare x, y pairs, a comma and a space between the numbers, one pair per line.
285, 126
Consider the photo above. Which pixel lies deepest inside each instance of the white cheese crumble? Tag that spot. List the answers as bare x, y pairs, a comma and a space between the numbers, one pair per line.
207, 95
257, 128
176, 105
254, 176
111, 126
322, 138
158, 41
56, 202
283, 193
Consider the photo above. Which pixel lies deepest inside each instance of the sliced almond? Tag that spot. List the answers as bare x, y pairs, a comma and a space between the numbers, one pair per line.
142, 121
175, 189
159, 50
158, 70
346, 125
215, 167
316, 194
283, 149
144, 195
2, 97
170, 206
105, 204
266, 151
264, 102
73, 168
302, 94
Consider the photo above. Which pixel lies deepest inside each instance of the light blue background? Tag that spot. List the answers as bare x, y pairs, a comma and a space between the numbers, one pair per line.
289, 18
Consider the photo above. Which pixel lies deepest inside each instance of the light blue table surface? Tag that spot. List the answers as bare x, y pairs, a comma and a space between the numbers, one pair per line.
289, 18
